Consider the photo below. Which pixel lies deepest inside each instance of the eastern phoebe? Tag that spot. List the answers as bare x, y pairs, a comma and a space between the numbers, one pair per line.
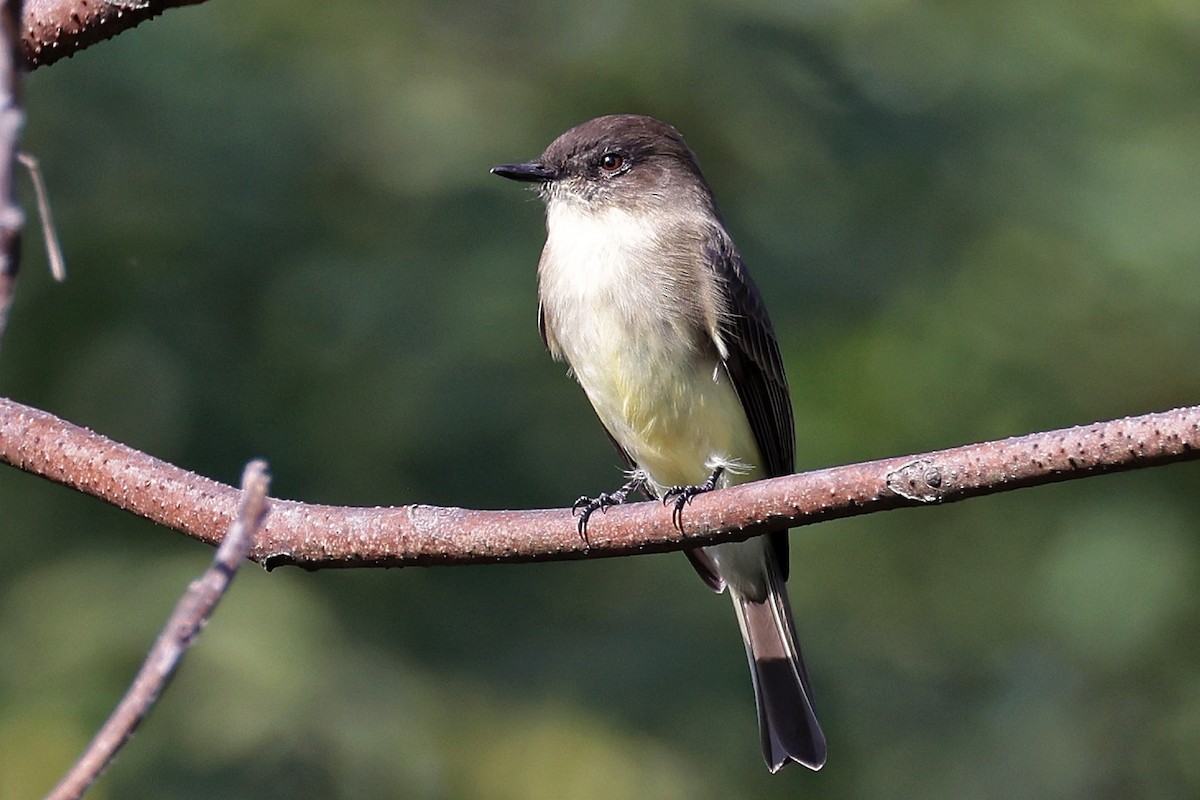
642, 292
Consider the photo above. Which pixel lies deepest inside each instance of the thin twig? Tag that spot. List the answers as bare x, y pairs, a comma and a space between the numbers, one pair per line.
181, 630
318, 536
11, 121
54, 253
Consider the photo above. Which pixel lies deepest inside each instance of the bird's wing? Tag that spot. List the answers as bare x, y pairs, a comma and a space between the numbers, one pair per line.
750, 354
543, 332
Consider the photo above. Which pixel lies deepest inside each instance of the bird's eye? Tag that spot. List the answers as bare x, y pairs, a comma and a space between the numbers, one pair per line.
611, 162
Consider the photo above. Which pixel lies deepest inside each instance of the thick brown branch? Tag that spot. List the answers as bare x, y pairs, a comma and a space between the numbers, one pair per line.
315, 536
55, 29
181, 630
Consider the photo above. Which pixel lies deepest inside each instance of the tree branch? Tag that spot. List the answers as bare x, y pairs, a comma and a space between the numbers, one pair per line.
181, 630
11, 120
319, 536
55, 29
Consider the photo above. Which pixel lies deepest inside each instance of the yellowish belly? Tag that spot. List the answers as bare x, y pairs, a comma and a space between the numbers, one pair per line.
673, 410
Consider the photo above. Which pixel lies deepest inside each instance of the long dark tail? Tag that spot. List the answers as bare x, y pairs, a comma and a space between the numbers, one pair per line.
786, 719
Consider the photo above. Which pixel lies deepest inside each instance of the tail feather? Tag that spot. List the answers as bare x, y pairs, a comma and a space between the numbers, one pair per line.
787, 721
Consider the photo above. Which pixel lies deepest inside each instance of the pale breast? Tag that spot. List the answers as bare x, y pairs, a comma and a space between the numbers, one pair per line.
621, 309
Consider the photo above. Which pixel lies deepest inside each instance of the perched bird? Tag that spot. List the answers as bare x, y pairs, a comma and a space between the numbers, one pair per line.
644, 295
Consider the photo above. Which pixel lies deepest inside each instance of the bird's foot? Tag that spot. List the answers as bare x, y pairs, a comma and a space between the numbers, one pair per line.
585, 506
682, 495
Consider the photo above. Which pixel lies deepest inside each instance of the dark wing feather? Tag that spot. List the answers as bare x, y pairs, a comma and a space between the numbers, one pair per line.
754, 365
542, 326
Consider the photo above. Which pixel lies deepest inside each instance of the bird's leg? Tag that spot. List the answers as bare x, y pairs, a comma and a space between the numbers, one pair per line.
682, 495
585, 506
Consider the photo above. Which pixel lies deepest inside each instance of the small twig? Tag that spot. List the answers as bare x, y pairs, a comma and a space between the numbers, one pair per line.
54, 253
318, 536
181, 630
11, 121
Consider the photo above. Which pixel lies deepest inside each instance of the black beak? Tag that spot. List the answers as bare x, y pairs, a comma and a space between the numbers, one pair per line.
532, 172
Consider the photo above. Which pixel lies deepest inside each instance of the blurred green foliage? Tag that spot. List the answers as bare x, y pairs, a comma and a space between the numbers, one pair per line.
970, 220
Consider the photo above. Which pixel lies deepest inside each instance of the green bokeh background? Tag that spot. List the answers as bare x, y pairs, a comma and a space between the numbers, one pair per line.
969, 220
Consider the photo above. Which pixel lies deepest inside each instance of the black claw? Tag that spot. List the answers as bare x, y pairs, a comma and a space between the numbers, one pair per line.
585, 506
582, 526
682, 495
677, 511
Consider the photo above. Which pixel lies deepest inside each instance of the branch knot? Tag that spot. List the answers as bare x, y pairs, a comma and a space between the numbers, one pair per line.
919, 480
